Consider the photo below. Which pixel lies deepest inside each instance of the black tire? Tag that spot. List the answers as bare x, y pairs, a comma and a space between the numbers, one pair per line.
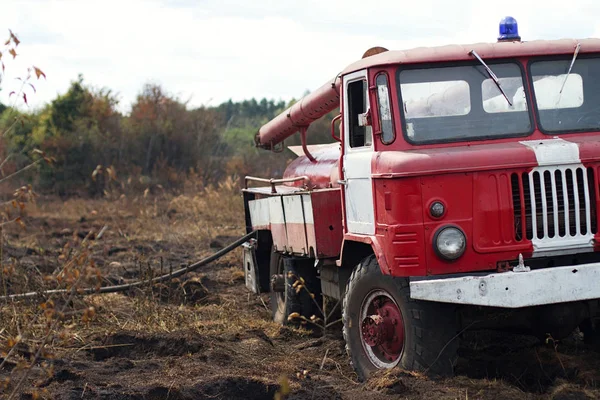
288, 302
591, 333
430, 329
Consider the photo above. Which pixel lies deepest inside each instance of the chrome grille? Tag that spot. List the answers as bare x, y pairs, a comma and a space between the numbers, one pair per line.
563, 201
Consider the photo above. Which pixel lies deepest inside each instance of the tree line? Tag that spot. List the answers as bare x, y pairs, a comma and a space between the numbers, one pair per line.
89, 146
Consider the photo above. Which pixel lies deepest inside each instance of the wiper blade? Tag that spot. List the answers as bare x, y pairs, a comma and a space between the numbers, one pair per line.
570, 66
491, 74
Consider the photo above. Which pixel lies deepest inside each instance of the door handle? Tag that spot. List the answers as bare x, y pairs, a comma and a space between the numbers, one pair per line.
342, 182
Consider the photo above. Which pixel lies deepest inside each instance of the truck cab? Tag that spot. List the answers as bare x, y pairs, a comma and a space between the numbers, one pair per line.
464, 184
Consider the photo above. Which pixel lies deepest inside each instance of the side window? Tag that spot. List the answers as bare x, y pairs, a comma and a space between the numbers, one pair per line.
444, 98
385, 112
360, 135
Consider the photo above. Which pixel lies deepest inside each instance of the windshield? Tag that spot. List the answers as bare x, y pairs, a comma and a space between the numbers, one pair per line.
463, 103
577, 107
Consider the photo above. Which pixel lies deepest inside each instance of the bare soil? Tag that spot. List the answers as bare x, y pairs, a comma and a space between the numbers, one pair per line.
205, 337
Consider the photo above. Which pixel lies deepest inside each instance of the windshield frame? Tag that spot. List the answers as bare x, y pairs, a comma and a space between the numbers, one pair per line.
560, 57
471, 63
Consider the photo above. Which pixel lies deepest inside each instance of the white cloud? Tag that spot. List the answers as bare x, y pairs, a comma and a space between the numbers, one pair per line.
213, 50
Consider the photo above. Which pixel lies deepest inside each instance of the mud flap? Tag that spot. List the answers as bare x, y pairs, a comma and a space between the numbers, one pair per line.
250, 266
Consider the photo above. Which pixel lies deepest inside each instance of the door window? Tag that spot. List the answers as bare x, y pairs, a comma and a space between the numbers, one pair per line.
360, 133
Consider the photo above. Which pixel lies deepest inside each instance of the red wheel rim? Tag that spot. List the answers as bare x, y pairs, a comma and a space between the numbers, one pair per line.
382, 329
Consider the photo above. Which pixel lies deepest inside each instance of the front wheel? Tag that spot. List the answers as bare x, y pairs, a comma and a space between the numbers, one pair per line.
384, 327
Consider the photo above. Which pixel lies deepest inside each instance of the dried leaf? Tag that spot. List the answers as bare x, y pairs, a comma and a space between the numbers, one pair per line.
4, 382
11, 93
97, 171
112, 173
14, 38
33, 87
88, 314
13, 53
284, 385
39, 72
25, 98
293, 316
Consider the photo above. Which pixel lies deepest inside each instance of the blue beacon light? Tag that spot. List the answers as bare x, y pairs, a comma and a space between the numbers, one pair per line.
509, 30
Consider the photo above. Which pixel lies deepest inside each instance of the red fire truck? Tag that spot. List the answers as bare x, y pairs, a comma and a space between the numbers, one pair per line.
461, 193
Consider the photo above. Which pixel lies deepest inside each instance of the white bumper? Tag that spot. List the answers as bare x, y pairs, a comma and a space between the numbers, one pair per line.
513, 289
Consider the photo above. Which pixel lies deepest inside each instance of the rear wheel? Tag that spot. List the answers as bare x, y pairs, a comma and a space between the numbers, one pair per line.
591, 333
384, 327
284, 299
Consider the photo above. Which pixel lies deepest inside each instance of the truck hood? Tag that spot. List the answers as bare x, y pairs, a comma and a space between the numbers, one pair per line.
481, 157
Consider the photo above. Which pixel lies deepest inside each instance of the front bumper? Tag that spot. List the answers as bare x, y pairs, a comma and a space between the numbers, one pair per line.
512, 289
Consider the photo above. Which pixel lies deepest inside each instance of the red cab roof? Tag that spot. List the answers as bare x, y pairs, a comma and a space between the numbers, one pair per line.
485, 50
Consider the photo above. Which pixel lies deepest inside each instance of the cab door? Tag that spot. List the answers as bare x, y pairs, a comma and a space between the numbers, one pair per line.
358, 153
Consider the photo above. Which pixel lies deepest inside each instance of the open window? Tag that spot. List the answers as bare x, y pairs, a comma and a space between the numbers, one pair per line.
361, 134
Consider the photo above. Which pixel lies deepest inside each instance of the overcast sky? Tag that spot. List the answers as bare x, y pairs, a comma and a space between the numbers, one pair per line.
208, 51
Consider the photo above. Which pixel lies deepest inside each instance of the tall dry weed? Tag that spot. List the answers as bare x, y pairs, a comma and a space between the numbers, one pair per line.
221, 202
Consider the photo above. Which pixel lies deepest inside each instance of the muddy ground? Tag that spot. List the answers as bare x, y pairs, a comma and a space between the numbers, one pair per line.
205, 337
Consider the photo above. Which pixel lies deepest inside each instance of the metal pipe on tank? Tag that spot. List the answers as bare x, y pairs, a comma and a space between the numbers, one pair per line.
299, 116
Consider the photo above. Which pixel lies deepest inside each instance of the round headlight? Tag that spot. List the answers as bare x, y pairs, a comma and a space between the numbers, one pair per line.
437, 209
450, 243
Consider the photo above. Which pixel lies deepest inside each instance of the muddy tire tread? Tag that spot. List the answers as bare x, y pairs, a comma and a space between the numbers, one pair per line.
431, 323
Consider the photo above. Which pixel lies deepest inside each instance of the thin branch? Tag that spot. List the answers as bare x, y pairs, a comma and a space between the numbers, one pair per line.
21, 170
51, 331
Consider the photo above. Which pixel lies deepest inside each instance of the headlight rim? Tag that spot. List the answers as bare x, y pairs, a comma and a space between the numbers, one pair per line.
435, 242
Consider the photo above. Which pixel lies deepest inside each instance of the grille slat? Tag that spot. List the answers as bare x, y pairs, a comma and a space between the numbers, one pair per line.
534, 208
544, 205
554, 203
577, 209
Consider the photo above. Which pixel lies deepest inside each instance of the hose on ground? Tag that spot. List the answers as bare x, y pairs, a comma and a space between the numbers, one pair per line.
128, 286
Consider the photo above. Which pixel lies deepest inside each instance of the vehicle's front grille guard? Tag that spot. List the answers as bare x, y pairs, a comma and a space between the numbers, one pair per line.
563, 201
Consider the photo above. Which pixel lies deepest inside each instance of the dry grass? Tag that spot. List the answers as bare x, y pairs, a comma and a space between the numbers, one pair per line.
59, 246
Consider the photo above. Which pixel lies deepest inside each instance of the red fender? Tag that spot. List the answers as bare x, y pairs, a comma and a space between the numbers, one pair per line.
351, 256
